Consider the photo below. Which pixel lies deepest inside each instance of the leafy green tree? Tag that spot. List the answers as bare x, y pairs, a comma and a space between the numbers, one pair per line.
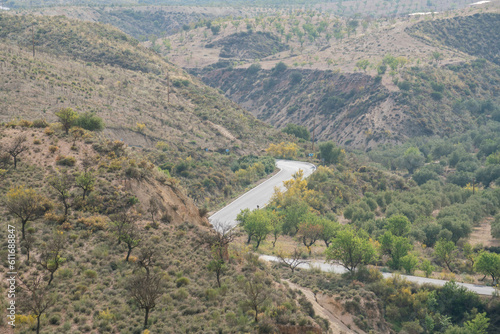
67, 117
330, 152
398, 225
25, 203
350, 249
254, 68
409, 263
412, 159
293, 215
363, 64
329, 230
495, 227
488, 264
310, 230
257, 225
445, 251
427, 267
478, 325
275, 226
400, 246
85, 181
298, 131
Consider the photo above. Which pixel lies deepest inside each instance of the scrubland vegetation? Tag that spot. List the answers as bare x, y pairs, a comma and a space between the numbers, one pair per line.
112, 158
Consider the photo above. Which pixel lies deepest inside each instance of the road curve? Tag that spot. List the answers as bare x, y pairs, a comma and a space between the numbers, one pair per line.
261, 194
338, 269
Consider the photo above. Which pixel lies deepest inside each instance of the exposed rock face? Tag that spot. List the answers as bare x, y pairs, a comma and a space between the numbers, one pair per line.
351, 109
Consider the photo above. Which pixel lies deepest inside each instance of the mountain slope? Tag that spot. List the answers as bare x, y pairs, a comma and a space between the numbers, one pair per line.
193, 128
476, 34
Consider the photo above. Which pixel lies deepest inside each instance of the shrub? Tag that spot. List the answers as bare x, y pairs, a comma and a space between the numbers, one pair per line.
65, 160
90, 273
254, 68
40, 123
182, 281
89, 121
280, 67
53, 149
295, 78
48, 131
25, 124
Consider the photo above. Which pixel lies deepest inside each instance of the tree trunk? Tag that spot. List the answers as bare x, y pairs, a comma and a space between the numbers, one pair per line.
23, 224
256, 314
218, 278
258, 243
51, 277
15, 162
128, 254
66, 207
38, 324
146, 318
249, 238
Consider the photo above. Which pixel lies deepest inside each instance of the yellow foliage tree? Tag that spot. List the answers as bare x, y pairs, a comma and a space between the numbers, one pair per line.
296, 190
283, 150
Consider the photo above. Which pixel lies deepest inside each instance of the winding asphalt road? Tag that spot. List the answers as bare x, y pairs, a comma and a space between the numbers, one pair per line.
260, 196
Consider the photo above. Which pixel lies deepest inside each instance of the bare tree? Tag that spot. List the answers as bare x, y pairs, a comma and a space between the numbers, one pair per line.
36, 298
17, 147
62, 183
29, 243
147, 257
51, 258
131, 237
256, 292
121, 221
155, 205
146, 289
291, 260
220, 237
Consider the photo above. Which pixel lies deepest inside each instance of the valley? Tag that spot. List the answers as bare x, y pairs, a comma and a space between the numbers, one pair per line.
201, 166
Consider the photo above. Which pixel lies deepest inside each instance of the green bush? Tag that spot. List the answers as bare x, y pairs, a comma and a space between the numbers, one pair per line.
89, 121
65, 160
182, 281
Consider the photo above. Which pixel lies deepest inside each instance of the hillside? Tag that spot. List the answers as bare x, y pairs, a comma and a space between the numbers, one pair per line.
355, 110
475, 34
143, 22
134, 225
96, 68
359, 82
